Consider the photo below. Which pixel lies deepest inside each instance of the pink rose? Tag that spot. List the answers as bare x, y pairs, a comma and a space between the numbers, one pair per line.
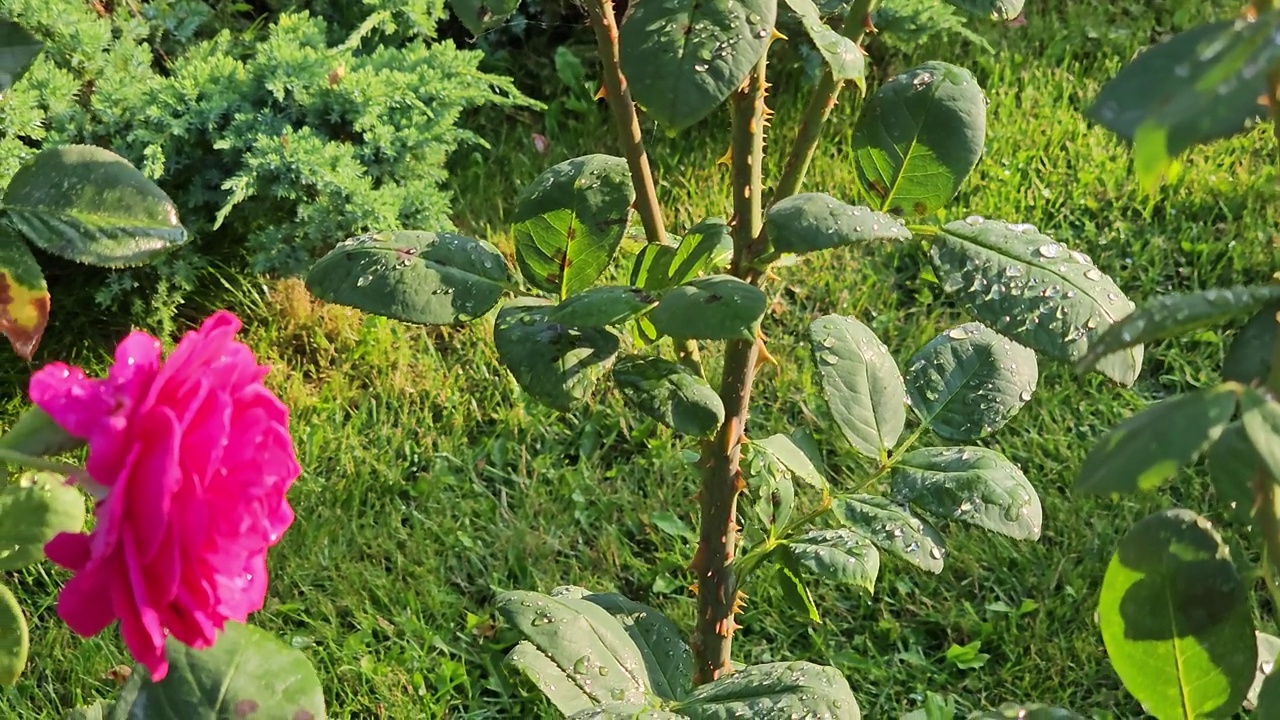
195, 457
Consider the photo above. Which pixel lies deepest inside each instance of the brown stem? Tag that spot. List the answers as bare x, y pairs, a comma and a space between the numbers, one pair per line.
718, 597
625, 119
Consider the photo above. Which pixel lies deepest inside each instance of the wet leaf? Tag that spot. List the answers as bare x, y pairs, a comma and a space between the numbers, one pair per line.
24, 297
1248, 358
682, 58
602, 306
918, 137
969, 381
969, 484
861, 383
810, 222
716, 307
707, 246
1025, 285
770, 486
481, 16
569, 223
34, 508
774, 690
625, 711
90, 205
1167, 316
844, 58
842, 556
1148, 448
557, 365
1176, 620
797, 454
18, 50
14, 641
893, 528
417, 277
670, 394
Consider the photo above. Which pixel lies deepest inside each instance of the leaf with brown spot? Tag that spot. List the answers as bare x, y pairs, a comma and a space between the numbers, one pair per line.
24, 297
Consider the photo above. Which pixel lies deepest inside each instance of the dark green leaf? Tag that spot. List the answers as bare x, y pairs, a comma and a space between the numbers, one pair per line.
842, 556
716, 307
90, 205
246, 671
24, 296
801, 458
1147, 449
1233, 467
557, 365
845, 59
1261, 419
1037, 291
418, 277
1248, 359
670, 394
569, 222
893, 528
969, 381
919, 137
1268, 648
810, 222
707, 246
997, 9
1169, 316
18, 50
861, 383
481, 16
602, 306
970, 484
682, 58
796, 594
774, 691
34, 508
1269, 699
1176, 620
14, 640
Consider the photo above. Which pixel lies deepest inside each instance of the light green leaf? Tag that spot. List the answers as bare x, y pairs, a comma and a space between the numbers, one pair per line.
995, 9
682, 58
90, 205
1261, 419
100, 710
810, 222
624, 711
842, 556
770, 483
1023, 284
707, 246
18, 50
670, 394
418, 277
569, 222
843, 56
557, 365
602, 306
35, 433
1034, 711
795, 592
892, 528
861, 383
1233, 467
1147, 449
246, 671
969, 381
774, 691
34, 508
481, 16
1167, 316
919, 137
936, 707
14, 641
970, 484
800, 458
1248, 358
1175, 618
651, 269
716, 307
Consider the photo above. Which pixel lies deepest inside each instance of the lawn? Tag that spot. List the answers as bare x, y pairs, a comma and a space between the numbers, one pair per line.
429, 485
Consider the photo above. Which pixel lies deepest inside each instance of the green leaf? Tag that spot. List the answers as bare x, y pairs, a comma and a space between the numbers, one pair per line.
1034, 711
1147, 449
810, 222
570, 221
842, 556
1248, 358
774, 691
35, 433
1169, 316
651, 269
1261, 419
936, 707
35, 507
1268, 649
969, 381
861, 383
418, 277
996, 9
14, 641
18, 50
970, 484
707, 246
717, 307
1200, 85
770, 483
1023, 284
667, 659
682, 58
24, 296
802, 462
1269, 699
796, 594
1176, 620
845, 59
602, 306
892, 528
90, 205
575, 651
557, 365
670, 394
919, 137
247, 670
1233, 466
624, 711
481, 16
100, 710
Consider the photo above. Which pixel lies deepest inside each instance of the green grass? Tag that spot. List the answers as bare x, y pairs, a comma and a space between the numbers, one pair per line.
430, 485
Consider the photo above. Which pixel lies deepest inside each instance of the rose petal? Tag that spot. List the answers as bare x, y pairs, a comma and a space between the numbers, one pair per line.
75, 402
85, 602
70, 550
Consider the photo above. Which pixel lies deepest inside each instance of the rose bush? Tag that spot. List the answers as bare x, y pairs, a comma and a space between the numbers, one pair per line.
193, 457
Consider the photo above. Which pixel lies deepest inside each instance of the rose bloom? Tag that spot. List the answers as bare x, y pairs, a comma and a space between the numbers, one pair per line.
195, 458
